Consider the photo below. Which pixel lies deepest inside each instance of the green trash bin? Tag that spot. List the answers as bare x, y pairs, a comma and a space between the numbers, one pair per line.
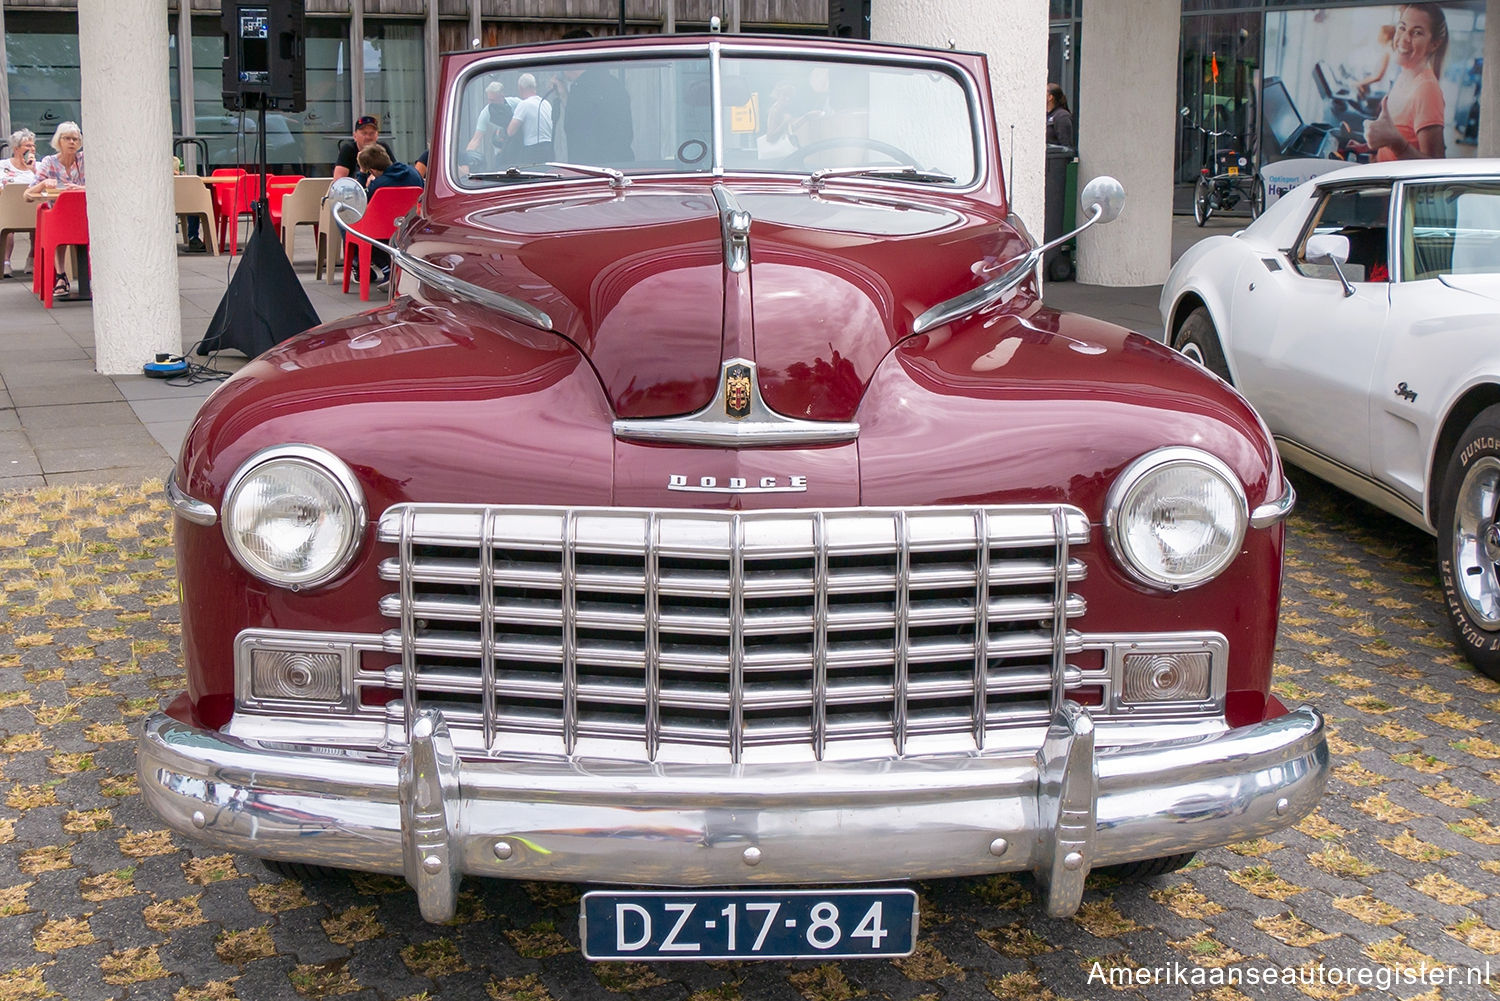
1061, 211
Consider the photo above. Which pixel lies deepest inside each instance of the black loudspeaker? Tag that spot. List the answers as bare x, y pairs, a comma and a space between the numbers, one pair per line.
265, 55
849, 18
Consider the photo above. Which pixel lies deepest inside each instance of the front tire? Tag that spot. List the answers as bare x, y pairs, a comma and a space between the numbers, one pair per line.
1203, 200
1197, 339
1469, 542
1257, 197
1147, 868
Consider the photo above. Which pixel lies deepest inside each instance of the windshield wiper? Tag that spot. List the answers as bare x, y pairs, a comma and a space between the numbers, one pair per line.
511, 174
899, 173
617, 179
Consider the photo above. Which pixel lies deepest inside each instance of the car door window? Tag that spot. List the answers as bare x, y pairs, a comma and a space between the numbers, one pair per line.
1360, 214
1450, 228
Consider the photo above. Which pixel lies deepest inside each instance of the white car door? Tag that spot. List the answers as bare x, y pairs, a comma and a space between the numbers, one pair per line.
1304, 348
1442, 323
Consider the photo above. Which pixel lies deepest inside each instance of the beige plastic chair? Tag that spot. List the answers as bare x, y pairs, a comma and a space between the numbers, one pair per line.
302, 205
191, 197
330, 245
17, 215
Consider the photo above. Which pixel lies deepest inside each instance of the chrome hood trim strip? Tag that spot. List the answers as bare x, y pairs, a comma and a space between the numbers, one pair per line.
715, 425
431, 274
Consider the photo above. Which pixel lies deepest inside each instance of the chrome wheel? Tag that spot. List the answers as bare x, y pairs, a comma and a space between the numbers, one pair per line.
1476, 542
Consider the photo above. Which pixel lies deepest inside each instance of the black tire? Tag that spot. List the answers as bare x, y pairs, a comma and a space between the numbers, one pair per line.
1203, 200
1257, 197
1147, 868
301, 871
1198, 340
1469, 542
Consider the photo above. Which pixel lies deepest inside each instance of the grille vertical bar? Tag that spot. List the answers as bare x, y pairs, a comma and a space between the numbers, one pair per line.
981, 623
902, 676
1059, 610
570, 631
487, 626
737, 638
820, 635
652, 578
408, 621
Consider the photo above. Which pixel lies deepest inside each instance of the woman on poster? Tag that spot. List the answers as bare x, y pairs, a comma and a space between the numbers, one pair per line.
1410, 124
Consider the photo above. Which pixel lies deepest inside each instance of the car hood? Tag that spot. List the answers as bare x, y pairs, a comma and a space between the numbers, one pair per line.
636, 278
1487, 286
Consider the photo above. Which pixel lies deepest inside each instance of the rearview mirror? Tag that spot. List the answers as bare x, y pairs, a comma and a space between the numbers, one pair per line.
1105, 194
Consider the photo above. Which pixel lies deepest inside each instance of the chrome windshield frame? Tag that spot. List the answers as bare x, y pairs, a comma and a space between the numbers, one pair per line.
715, 49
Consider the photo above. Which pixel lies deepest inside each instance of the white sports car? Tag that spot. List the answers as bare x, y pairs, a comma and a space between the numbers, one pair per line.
1361, 316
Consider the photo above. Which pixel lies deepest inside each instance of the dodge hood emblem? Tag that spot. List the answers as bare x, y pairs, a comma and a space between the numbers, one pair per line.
737, 391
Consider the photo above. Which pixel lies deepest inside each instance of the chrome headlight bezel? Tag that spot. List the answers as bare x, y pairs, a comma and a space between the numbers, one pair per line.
346, 489
1138, 474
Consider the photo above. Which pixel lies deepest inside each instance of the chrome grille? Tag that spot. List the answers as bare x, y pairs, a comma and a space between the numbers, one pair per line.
732, 629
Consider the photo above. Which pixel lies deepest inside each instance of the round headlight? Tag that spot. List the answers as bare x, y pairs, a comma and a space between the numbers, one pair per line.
294, 515
1176, 517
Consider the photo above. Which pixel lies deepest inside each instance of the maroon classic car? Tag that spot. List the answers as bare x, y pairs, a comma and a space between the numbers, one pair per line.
717, 512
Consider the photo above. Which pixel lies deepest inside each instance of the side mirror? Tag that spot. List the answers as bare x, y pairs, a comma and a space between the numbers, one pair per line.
1328, 247
1104, 194
346, 193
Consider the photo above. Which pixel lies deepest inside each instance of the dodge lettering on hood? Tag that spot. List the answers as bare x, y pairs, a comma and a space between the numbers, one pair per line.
714, 512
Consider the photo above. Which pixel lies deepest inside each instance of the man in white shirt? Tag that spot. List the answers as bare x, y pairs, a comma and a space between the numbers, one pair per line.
533, 120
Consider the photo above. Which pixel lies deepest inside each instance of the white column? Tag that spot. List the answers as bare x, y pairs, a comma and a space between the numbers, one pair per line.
1489, 98
128, 131
1127, 88
1014, 35
5, 128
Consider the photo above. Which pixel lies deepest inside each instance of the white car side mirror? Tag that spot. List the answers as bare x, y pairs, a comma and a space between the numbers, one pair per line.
1334, 249
1328, 247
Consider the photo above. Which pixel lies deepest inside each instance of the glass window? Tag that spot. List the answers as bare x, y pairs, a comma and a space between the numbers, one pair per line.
1361, 215
41, 72
1451, 228
396, 85
778, 114
1219, 63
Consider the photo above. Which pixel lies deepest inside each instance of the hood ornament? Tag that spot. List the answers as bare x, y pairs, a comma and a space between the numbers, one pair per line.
736, 417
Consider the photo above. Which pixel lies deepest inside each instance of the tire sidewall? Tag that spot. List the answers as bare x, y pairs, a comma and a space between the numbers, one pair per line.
1199, 330
1479, 441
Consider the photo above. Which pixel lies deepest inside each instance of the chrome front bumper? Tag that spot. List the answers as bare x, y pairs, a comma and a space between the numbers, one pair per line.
435, 818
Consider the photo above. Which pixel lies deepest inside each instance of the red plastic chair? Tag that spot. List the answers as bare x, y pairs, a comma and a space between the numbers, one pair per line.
278, 187
232, 201
64, 223
386, 207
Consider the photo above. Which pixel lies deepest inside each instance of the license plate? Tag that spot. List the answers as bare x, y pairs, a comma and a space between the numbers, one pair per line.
747, 924
1233, 170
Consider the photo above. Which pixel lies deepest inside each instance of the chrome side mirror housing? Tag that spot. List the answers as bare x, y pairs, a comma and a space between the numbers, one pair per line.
1334, 249
1103, 195
346, 194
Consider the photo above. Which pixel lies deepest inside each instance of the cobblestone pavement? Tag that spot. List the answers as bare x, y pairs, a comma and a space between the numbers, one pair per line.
1398, 866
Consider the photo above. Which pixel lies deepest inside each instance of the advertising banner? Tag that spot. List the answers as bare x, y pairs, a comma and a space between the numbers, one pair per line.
1383, 82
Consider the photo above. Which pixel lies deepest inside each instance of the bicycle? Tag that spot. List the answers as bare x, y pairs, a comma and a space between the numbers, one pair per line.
1222, 187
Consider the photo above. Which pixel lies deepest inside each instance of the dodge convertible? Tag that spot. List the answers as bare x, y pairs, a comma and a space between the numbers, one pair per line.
715, 515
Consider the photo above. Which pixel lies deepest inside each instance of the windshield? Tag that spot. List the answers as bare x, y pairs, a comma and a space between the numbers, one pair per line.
651, 115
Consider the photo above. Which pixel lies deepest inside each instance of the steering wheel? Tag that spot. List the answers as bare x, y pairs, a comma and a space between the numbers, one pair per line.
896, 153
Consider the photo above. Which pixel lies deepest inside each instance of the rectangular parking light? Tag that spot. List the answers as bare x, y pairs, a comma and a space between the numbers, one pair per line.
1166, 676
296, 674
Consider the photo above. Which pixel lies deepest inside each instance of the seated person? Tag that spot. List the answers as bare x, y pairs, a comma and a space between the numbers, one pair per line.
383, 172
366, 134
